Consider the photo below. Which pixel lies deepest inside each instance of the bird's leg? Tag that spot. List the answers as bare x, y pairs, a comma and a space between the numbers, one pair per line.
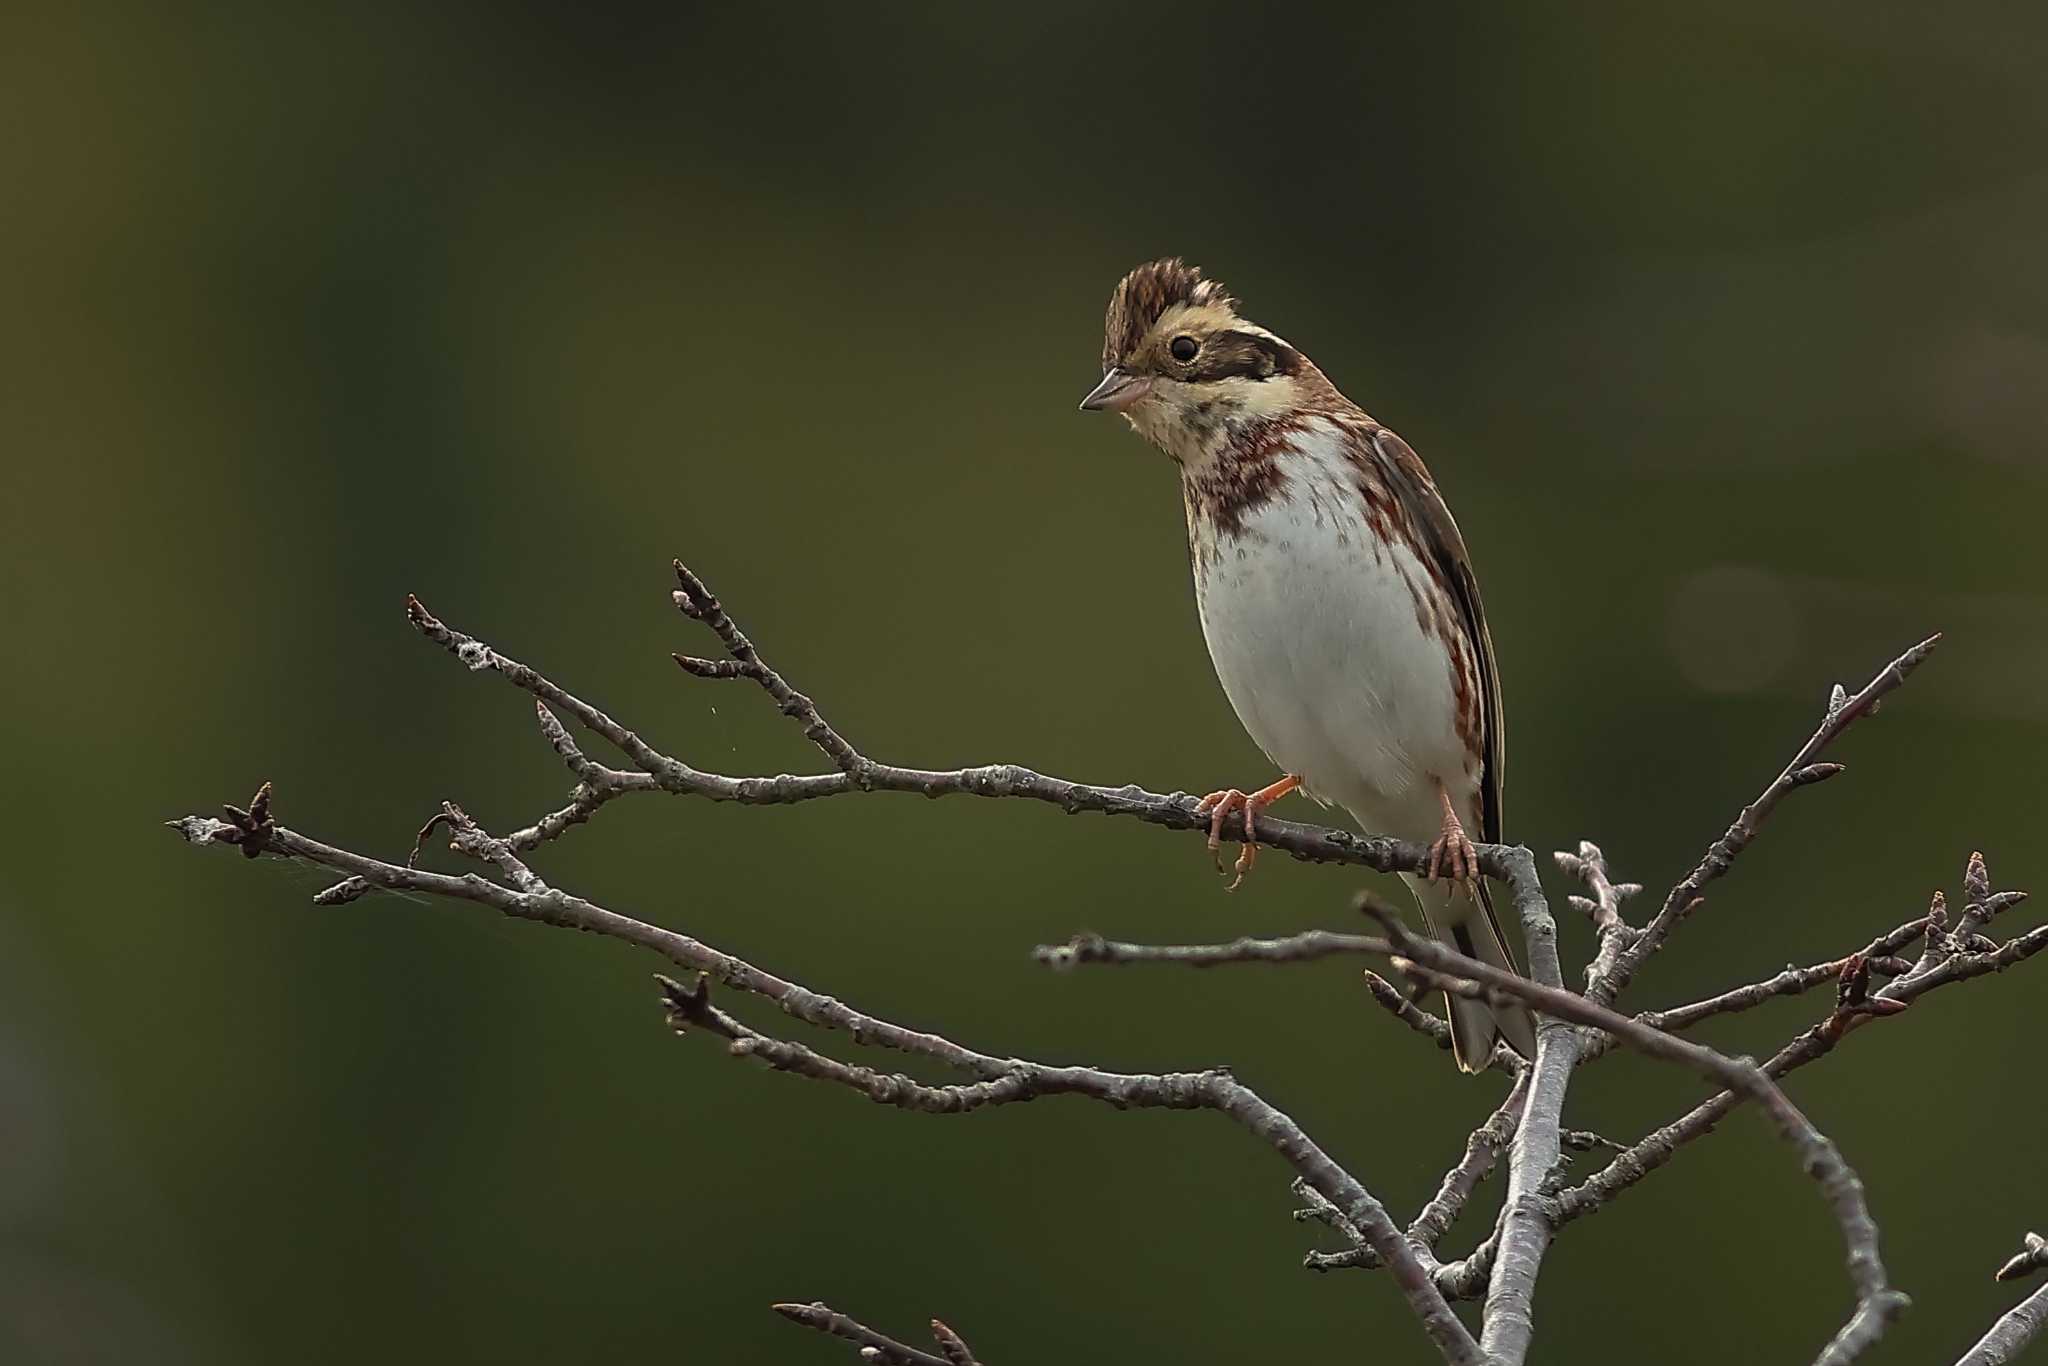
1451, 853
1219, 805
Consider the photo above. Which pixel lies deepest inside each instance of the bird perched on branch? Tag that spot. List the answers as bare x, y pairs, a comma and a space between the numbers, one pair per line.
1336, 596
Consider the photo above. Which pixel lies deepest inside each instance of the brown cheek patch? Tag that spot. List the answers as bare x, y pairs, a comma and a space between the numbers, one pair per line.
1241, 355
1230, 355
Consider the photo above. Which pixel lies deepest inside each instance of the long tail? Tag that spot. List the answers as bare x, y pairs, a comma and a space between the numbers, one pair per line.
1450, 916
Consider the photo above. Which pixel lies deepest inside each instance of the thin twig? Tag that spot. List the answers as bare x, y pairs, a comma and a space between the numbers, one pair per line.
595, 785
1293, 948
660, 772
1316, 1206
2019, 1325
1819, 1040
1658, 1147
465, 836
1804, 770
874, 1346
1589, 865
1878, 953
1306, 946
1482, 1150
696, 601
1435, 1028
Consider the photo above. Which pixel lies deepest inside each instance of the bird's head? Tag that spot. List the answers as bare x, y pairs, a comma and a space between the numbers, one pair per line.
1186, 368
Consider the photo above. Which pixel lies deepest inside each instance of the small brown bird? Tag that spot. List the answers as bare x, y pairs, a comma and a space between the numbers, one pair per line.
1336, 596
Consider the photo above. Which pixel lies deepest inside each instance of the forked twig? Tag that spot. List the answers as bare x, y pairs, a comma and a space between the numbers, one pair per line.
1804, 770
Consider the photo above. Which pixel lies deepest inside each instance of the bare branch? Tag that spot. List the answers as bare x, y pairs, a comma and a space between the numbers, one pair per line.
1306, 946
1877, 1302
694, 600
999, 1080
465, 836
2019, 1325
1589, 866
1467, 1278
874, 1346
1395, 1002
1879, 955
596, 784
1658, 1147
1654, 1150
1528, 1219
1802, 771
1482, 1150
1505, 1266
659, 772
2011, 1334
1294, 948
1527, 1222
1316, 1206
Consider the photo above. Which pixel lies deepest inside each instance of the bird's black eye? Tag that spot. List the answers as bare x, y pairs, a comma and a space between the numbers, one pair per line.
1184, 348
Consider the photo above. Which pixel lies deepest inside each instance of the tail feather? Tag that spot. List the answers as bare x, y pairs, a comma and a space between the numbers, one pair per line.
1450, 916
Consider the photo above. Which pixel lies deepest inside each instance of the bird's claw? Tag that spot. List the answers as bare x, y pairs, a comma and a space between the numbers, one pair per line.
1452, 854
1218, 806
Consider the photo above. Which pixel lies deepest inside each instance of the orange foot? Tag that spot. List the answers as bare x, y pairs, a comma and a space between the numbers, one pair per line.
1219, 805
1451, 853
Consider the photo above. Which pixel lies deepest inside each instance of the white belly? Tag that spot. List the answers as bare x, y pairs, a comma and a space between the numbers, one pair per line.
1319, 647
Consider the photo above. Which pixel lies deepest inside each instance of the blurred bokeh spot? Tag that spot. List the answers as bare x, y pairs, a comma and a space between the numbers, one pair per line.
1734, 628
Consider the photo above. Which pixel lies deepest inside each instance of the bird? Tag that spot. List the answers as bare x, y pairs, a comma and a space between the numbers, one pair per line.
1337, 599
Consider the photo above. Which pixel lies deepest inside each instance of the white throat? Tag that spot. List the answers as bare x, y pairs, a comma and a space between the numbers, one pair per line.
1193, 423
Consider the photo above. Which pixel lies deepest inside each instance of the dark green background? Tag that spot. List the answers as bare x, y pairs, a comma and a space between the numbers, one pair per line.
1727, 336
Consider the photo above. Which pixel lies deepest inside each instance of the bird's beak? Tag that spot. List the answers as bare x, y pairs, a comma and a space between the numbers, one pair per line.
1117, 392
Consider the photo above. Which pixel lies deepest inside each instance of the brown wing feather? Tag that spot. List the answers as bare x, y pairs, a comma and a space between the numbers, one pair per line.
1432, 521
1431, 518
